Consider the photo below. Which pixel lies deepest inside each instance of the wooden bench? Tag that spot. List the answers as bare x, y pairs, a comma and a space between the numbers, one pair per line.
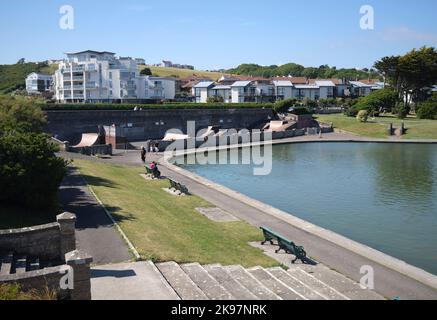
178, 186
284, 244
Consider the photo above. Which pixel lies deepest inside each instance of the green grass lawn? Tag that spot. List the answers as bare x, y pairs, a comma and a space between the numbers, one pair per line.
377, 128
167, 228
12, 217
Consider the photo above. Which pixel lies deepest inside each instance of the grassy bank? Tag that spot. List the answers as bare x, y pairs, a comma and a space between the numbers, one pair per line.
164, 227
181, 73
377, 128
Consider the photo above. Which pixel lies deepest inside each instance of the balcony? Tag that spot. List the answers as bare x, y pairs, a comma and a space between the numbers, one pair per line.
78, 87
76, 78
91, 85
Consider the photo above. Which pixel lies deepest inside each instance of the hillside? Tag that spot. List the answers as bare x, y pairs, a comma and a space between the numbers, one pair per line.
181, 73
296, 70
12, 77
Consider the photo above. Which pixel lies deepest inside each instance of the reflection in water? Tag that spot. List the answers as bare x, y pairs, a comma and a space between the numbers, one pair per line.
383, 195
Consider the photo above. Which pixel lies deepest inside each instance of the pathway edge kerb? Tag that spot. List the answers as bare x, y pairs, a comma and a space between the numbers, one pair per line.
117, 226
358, 248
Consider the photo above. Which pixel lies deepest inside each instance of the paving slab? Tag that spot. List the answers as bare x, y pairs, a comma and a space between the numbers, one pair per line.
130, 281
217, 214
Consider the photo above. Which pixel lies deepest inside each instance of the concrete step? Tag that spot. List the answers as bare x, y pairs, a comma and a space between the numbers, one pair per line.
275, 285
227, 281
180, 281
319, 286
341, 283
20, 264
208, 284
300, 287
251, 283
6, 266
130, 281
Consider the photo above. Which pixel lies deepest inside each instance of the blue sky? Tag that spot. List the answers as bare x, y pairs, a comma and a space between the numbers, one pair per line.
219, 34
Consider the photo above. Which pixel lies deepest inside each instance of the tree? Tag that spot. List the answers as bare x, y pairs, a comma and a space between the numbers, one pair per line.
21, 61
146, 72
410, 75
30, 172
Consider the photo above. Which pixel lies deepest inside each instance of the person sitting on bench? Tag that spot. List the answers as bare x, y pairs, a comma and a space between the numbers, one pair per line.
154, 168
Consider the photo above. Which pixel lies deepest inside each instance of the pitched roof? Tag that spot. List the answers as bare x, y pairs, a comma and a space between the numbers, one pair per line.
282, 83
221, 87
324, 83
204, 84
359, 84
241, 83
295, 80
90, 51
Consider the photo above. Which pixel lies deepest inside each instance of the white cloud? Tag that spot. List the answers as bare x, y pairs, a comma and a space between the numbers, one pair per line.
406, 34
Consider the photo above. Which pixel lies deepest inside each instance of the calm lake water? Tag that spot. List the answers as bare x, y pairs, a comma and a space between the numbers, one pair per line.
382, 195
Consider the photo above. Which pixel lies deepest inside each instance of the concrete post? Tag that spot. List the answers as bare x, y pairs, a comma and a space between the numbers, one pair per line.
80, 262
67, 224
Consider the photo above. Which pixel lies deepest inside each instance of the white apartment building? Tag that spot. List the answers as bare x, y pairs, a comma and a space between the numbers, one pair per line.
92, 76
38, 83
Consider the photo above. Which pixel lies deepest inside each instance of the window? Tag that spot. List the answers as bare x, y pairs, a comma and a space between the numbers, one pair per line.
110, 75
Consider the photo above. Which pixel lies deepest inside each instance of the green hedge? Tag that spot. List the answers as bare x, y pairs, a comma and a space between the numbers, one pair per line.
174, 105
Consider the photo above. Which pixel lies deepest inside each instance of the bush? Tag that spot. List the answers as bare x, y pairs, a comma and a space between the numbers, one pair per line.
14, 292
380, 100
284, 105
427, 110
215, 99
30, 172
362, 116
300, 111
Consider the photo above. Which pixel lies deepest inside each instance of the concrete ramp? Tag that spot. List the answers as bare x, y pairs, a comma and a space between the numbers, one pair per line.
279, 126
88, 140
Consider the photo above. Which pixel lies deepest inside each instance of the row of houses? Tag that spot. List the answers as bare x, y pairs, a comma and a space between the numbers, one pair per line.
253, 89
101, 77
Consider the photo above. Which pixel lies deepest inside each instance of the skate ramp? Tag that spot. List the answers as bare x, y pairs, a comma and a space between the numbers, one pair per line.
88, 140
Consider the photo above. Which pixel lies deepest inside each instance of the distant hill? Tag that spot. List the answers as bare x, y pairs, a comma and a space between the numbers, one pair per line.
181, 73
296, 70
12, 76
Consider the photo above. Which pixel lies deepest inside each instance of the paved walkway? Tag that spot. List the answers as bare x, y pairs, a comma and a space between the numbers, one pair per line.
95, 233
388, 282
130, 281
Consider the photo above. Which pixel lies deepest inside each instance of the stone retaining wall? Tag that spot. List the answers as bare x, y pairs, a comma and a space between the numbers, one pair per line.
50, 241
53, 242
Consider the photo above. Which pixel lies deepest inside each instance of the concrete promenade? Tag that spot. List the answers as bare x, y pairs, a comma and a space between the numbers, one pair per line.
393, 278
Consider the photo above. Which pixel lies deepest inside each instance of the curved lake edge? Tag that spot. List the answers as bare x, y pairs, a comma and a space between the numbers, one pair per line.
374, 255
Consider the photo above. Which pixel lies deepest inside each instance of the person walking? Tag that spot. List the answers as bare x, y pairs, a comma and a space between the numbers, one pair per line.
143, 154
